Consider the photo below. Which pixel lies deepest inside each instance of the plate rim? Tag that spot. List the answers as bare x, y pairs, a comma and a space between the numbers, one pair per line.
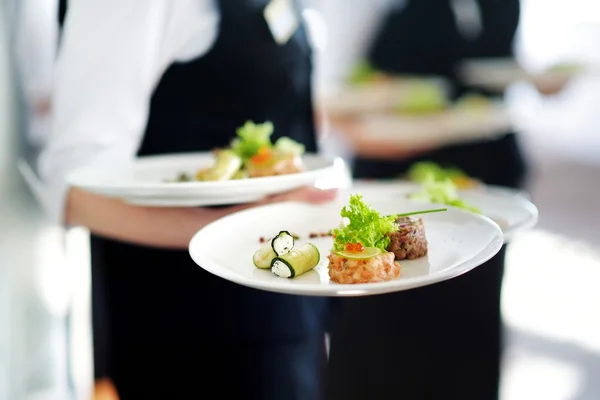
347, 290
72, 178
518, 195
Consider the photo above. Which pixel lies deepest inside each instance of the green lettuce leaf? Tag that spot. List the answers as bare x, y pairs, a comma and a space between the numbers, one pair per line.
287, 145
423, 98
441, 191
252, 137
362, 72
365, 225
424, 171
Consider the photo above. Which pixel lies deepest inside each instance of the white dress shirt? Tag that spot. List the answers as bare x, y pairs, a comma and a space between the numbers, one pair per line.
351, 25
112, 55
35, 38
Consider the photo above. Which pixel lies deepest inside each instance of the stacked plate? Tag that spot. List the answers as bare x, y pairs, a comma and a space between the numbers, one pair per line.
510, 209
444, 128
149, 181
458, 240
376, 106
497, 74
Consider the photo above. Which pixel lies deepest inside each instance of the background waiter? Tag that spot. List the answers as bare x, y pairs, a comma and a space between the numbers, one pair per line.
442, 341
150, 77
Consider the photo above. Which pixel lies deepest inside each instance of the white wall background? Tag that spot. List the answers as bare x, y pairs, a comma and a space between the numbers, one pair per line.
7, 106
7, 126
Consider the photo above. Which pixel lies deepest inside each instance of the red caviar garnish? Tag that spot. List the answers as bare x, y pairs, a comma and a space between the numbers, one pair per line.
262, 155
354, 247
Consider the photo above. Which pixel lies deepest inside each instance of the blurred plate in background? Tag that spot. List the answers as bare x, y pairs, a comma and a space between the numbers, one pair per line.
383, 95
388, 135
497, 74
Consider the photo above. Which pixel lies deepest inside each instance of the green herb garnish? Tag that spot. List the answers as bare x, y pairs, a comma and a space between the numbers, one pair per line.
441, 192
438, 184
425, 171
420, 212
366, 226
251, 138
423, 98
362, 72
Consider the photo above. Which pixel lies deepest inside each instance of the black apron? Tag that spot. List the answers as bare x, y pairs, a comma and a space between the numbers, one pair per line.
165, 328
442, 341
423, 38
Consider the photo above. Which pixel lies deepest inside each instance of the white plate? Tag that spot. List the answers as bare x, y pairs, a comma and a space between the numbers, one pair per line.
144, 182
510, 209
497, 74
192, 201
448, 127
458, 242
382, 97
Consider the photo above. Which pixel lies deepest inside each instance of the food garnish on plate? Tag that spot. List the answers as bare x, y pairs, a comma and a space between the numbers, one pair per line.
252, 154
473, 102
363, 72
441, 185
365, 249
422, 98
442, 192
566, 67
366, 246
424, 171
284, 258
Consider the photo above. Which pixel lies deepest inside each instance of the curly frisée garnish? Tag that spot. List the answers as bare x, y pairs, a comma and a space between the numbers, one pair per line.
365, 226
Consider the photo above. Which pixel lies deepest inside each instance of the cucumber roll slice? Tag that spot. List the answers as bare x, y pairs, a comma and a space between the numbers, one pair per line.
282, 243
298, 261
262, 257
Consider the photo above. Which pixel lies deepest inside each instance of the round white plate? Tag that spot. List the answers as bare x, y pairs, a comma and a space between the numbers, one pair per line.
510, 209
145, 182
497, 74
449, 127
458, 242
194, 201
382, 97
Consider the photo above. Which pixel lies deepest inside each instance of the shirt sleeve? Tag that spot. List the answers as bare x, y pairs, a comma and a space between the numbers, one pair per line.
35, 46
351, 25
112, 55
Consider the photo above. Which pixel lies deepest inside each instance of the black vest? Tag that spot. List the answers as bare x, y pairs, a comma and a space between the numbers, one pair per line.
196, 106
423, 39
245, 76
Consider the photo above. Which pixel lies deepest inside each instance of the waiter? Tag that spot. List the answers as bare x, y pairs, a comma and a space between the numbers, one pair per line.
443, 341
142, 77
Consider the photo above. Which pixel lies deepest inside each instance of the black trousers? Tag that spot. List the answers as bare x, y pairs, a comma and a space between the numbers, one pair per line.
166, 329
257, 370
438, 342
